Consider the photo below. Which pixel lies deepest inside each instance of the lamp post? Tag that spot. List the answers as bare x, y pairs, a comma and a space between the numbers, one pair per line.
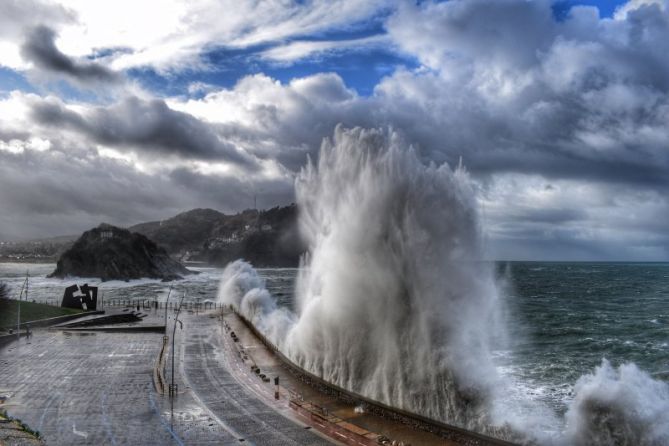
18, 316
18, 321
173, 387
166, 302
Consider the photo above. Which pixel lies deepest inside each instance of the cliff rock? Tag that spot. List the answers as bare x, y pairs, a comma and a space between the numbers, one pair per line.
112, 253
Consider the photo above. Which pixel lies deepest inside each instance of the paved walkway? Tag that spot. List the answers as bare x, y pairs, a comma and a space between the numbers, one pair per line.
80, 388
85, 388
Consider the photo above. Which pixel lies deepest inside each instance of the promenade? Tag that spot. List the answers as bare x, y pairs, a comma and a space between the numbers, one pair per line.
95, 387
85, 388
90, 385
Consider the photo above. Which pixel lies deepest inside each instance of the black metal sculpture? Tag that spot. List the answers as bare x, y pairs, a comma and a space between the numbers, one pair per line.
87, 301
90, 297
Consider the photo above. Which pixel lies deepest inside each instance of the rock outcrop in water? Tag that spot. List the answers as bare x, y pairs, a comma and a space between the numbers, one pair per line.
112, 253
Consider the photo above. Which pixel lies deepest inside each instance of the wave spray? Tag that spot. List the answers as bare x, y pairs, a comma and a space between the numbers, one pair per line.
393, 299
395, 303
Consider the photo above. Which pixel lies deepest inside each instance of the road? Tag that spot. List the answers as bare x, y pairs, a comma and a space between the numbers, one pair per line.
230, 397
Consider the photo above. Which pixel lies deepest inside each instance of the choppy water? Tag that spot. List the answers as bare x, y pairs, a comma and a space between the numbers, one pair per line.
563, 317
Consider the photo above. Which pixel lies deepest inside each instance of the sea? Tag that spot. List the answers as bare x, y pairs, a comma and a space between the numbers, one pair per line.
563, 318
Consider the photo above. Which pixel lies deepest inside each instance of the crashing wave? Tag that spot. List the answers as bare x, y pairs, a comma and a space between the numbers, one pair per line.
394, 303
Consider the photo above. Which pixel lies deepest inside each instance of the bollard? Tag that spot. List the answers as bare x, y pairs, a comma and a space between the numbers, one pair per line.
276, 389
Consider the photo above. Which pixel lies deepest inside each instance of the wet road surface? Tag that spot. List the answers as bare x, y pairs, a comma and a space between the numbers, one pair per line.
96, 388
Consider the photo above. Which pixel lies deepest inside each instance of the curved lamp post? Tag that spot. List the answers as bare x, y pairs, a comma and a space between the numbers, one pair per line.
167, 302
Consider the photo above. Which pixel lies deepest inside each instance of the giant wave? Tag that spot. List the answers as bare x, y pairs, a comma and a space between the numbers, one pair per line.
395, 303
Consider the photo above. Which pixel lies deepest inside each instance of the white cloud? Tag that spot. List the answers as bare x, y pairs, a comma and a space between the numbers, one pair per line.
632, 5
17, 16
302, 49
282, 122
172, 34
17, 146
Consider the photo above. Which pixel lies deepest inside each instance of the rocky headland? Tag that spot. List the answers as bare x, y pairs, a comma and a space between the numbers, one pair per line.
113, 253
268, 238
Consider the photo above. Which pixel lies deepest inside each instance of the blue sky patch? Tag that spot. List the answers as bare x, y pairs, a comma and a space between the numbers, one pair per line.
11, 80
606, 7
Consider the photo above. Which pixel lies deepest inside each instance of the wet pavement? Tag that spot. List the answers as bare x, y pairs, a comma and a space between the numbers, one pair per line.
85, 388
82, 387
230, 397
93, 387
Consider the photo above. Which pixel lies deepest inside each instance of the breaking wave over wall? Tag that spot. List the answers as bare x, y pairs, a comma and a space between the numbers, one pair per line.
394, 302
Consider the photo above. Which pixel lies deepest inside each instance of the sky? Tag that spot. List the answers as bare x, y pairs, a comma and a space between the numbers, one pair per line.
132, 111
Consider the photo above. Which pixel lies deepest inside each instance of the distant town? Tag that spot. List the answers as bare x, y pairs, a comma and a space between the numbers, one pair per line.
34, 251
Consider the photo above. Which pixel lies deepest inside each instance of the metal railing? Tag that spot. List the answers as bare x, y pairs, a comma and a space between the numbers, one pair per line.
150, 304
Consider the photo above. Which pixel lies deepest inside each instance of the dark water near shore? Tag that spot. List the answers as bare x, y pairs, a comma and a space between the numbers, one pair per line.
563, 317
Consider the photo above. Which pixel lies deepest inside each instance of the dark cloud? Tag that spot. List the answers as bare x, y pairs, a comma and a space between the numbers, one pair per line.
76, 189
235, 193
549, 215
510, 89
149, 125
10, 134
39, 48
18, 15
572, 244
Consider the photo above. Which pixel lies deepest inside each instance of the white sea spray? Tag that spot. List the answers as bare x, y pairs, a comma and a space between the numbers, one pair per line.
618, 406
393, 302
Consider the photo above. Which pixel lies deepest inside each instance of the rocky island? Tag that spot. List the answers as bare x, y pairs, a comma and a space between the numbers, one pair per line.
113, 253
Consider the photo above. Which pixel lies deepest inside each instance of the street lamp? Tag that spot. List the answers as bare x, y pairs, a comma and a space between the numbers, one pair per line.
18, 321
18, 316
166, 302
173, 387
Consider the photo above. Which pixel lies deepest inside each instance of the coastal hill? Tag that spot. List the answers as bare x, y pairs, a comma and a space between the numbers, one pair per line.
184, 232
265, 238
112, 253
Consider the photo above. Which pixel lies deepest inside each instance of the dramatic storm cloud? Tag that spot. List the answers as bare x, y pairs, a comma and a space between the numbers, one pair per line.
148, 124
40, 49
559, 110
